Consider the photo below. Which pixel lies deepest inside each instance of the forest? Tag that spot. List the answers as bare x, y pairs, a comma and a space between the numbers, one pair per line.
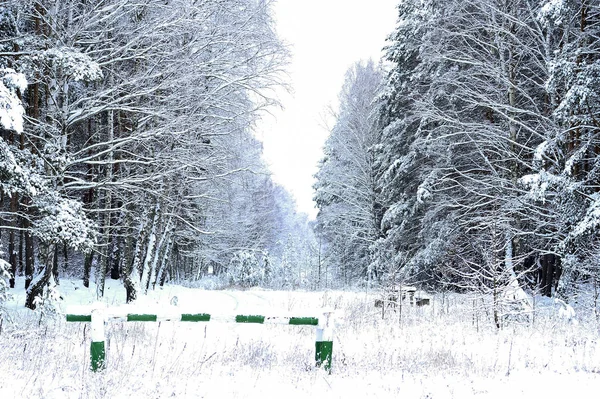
127, 148
147, 248
465, 160
468, 158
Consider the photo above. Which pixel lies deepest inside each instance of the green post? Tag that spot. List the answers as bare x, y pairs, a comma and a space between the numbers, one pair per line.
97, 349
323, 352
97, 353
324, 342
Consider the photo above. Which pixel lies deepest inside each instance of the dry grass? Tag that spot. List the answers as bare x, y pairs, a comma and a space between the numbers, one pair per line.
441, 351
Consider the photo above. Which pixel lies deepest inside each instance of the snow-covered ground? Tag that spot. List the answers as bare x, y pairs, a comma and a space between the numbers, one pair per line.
447, 350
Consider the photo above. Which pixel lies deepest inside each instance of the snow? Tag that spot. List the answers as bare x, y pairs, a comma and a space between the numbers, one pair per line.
75, 64
431, 352
63, 220
13, 80
540, 150
565, 310
11, 109
540, 183
552, 10
97, 325
423, 192
514, 294
591, 219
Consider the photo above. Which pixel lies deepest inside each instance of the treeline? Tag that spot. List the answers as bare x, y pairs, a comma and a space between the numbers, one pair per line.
132, 155
471, 157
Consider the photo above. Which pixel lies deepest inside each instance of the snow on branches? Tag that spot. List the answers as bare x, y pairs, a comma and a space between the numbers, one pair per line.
11, 109
63, 220
552, 10
19, 171
77, 66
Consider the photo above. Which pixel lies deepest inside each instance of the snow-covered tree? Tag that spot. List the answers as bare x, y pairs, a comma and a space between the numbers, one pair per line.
245, 270
565, 175
137, 119
488, 149
346, 192
404, 155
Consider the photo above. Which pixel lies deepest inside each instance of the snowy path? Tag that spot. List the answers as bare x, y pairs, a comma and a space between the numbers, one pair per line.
212, 301
189, 300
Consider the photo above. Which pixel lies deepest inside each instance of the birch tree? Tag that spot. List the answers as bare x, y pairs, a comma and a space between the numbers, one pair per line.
130, 109
346, 192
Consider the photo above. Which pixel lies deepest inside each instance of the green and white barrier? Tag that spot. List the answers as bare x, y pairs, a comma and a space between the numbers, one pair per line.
98, 316
97, 348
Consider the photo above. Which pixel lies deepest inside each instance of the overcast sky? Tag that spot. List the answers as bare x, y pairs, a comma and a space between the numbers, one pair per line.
326, 38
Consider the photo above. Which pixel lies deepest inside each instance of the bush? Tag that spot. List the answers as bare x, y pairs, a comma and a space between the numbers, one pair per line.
245, 270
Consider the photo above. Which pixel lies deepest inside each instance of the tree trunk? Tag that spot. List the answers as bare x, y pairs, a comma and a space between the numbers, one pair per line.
557, 272
29, 255
150, 250
548, 272
65, 249
12, 250
87, 268
132, 276
543, 274
55, 264
162, 270
21, 250
36, 288
115, 270
88, 199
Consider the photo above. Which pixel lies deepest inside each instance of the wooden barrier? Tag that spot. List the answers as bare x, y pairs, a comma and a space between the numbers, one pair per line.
98, 315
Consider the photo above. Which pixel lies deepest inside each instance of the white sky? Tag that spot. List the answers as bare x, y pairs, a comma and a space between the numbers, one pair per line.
326, 38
